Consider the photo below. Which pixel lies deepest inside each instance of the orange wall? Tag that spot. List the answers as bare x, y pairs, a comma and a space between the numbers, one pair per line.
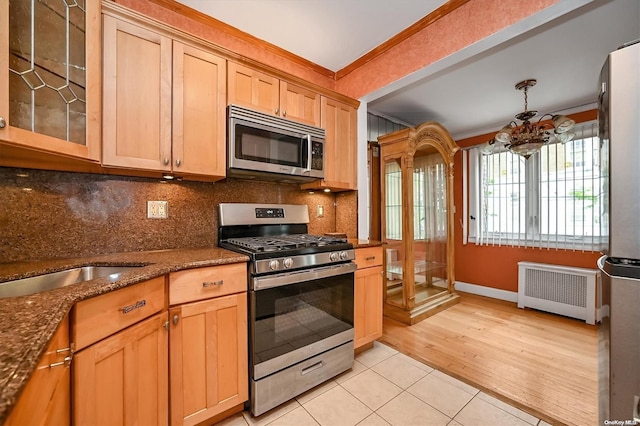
497, 267
464, 26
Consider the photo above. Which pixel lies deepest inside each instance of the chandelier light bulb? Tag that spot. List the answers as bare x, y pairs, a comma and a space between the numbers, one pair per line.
562, 123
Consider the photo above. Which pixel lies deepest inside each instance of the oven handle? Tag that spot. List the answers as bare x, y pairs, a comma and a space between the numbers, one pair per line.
263, 283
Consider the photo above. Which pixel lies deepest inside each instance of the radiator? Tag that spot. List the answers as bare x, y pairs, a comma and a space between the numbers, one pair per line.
558, 289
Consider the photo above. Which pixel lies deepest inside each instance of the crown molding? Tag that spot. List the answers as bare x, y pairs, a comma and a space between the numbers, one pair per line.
211, 22
423, 23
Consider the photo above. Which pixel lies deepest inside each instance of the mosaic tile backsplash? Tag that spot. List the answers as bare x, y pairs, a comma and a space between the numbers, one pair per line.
46, 214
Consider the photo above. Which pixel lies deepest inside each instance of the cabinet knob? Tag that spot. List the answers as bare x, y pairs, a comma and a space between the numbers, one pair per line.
166, 325
178, 162
284, 112
277, 111
3, 123
166, 161
175, 319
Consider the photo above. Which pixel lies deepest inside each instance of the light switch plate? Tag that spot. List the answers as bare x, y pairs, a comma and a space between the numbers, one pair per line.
157, 209
320, 212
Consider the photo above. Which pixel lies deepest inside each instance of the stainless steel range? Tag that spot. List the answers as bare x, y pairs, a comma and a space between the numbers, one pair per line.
300, 299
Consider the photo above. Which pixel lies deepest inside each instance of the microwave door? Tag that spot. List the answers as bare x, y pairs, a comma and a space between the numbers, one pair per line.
264, 150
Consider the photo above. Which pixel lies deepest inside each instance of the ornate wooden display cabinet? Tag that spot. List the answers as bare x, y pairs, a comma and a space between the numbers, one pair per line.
417, 221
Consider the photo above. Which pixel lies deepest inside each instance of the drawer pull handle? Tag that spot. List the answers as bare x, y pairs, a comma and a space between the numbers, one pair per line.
62, 350
370, 258
212, 283
66, 362
139, 304
311, 368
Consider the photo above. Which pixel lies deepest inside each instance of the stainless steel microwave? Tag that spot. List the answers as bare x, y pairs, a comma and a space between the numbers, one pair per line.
273, 148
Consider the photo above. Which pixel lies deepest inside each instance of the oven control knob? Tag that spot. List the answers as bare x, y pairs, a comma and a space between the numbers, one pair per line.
288, 262
343, 255
333, 257
274, 264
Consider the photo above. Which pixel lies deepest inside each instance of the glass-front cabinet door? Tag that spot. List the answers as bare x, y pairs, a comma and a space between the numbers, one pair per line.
50, 76
417, 186
393, 212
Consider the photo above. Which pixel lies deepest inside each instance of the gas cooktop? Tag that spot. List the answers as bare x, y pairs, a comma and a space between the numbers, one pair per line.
284, 242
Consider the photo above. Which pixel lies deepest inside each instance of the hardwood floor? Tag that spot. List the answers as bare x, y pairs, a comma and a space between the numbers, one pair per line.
542, 363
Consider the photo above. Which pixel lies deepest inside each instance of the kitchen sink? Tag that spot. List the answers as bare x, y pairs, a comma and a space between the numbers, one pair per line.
40, 283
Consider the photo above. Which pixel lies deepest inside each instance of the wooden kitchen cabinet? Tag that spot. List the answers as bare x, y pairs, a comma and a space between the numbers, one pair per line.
46, 399
164, 103
368, 296
49, 103
260, 91
340, 123
208, 345
122, 380
120, 369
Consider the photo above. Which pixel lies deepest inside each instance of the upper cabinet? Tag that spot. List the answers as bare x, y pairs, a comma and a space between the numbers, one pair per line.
50, 78
260, 91
96, 87
164, 103
339, 120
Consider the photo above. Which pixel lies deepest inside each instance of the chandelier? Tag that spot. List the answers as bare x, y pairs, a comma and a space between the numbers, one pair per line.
527, 138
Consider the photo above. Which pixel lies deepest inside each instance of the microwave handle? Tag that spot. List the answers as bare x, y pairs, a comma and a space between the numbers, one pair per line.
309, 156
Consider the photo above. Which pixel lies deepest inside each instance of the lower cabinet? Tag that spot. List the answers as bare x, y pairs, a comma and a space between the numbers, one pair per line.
208, 346
123, 378
133, 355
208, 353
46, 399
368, 296
120, 367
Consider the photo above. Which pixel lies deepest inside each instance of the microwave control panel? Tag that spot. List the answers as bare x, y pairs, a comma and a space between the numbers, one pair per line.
317, 155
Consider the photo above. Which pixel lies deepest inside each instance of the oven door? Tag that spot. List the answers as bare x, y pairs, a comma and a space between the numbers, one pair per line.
298, 315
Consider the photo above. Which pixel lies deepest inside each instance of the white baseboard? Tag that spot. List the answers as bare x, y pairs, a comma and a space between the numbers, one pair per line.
480, 290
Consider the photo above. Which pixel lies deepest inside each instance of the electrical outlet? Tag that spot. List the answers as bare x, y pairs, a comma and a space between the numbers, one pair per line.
157, 209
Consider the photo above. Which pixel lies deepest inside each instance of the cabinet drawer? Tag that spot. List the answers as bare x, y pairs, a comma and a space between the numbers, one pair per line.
204, 283
109, 313
367, 257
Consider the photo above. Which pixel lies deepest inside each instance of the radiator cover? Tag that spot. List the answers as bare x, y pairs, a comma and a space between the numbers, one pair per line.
557, 289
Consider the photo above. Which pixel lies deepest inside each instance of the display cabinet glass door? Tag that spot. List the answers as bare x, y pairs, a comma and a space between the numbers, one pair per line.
47, 68
428, 225
417, 195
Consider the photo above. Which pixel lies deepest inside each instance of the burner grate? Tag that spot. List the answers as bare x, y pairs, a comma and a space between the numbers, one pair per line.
284, 242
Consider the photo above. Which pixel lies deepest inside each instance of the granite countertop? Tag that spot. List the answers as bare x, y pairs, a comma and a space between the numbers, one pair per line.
27, 323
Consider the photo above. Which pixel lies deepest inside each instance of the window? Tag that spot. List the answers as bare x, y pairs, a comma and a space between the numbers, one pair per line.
554, 199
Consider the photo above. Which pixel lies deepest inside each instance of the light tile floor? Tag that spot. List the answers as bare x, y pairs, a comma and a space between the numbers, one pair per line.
386, 387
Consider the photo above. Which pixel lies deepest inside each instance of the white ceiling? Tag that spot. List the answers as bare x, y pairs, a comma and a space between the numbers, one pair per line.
469, 93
